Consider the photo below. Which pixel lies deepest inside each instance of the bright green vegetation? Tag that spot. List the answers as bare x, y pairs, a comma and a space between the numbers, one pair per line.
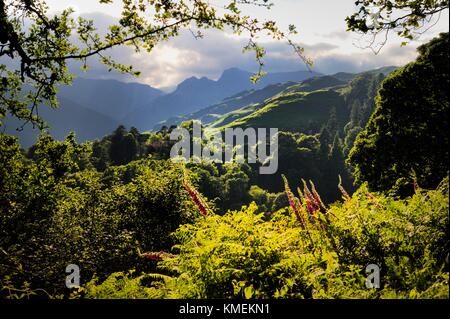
316, 83
312, 111
57, 209
233, 115
244, 254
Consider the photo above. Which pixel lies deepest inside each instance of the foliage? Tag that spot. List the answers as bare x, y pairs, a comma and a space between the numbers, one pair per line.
406, 238
315, 157
406, 18
56, 210
267, 202
314, 253
122, 147
406, 139
123, 285
98, 205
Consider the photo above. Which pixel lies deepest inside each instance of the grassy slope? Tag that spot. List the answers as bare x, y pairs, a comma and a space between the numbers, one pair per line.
301, 107
309, 108
277, 111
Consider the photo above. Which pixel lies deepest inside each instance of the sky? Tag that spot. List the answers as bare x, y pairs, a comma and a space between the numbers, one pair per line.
321, 26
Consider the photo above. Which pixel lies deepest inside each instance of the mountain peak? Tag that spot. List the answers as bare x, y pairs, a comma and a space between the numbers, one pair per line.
233, 72
193, 82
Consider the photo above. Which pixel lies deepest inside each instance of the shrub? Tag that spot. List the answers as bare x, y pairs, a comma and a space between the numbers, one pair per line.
54, 212
306, 251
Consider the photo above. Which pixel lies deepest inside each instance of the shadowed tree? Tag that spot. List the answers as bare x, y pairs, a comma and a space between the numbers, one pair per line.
124, 147
407, 136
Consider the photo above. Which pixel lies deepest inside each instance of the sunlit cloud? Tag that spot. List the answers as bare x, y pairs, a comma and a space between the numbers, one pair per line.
322, 35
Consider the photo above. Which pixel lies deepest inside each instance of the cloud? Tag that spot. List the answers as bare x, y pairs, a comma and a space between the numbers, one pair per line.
365, 60
179, 58
341, 35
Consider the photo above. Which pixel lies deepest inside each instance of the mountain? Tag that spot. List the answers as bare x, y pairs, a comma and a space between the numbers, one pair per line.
308, 105
112, 98
90, 107
245, 103
344, 76
239, 100
194, 94
70, 116
296, 111
315, 84
93, 108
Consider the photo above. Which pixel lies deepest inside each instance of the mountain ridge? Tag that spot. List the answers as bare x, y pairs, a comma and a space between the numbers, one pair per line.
190, 96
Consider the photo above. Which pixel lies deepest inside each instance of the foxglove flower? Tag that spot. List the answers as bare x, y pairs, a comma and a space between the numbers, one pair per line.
195, 196
293, 202
345, 195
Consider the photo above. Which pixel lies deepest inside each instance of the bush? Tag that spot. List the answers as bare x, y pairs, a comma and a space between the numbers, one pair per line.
54, 212
313, 253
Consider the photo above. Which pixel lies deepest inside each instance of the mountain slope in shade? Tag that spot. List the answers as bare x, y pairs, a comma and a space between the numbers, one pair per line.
70, 116
112, 98
194, 94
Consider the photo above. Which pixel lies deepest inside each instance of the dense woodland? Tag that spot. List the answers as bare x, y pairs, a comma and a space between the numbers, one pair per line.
362, 179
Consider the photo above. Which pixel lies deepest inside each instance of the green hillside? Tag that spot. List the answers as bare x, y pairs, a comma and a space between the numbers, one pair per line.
237, 109
296, 111
280, 97
222, 120
230, 104
308, 105
316, 83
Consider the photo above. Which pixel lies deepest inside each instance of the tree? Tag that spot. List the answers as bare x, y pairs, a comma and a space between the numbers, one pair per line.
41, 50
100, 154
124, 147
350, 138
407, 136
333, 124
325, 141
408, 18
54, 212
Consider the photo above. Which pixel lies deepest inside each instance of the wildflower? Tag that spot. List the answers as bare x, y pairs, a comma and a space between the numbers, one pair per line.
195, 196
293, 202
311, 204
317, 198
300, 194
415, 185
345, 195
156, 256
